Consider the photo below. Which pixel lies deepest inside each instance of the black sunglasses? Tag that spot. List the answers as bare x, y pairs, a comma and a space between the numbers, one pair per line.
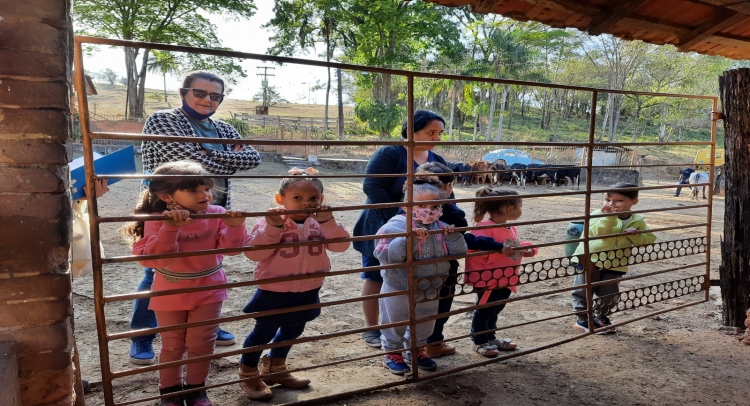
200, 93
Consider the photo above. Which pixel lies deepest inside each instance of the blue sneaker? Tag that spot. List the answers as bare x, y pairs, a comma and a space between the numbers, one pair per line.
395, 363
224, 338
142, 352
423, 361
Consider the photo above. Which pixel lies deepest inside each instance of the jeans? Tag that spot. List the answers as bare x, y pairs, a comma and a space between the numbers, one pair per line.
142, 316
486, 318
265, 330
445, 302
679, 189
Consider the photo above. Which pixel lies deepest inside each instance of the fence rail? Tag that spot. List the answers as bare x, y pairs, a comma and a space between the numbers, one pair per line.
671, 286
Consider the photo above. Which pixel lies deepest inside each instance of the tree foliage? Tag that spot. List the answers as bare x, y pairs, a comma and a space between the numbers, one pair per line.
179, 22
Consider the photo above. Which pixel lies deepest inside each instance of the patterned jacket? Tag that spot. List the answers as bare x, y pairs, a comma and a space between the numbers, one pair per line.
174, 123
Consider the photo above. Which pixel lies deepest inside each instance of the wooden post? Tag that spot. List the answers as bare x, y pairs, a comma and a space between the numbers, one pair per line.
734, 272
307, 138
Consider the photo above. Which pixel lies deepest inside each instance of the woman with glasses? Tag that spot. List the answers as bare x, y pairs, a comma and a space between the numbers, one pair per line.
201, 93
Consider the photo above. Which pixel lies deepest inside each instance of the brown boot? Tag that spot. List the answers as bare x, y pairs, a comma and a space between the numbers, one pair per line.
283, 377
254, 387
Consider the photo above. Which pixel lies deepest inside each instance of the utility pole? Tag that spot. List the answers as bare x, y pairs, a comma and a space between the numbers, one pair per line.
264, 83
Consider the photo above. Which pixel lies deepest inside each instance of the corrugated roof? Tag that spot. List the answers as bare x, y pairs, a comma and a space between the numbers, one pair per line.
712, 27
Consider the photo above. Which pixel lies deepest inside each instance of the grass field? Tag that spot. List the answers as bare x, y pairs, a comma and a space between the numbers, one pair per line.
111, 101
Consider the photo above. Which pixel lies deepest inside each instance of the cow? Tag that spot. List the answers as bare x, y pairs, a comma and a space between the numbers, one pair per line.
695, 178
539, 172
481, 178
574, 174
497, 175
464, 179
518, 174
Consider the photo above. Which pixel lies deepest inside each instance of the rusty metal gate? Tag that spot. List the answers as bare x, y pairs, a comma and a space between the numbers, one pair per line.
688, 280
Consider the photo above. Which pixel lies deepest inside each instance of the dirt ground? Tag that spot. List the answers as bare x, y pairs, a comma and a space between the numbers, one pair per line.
677, 358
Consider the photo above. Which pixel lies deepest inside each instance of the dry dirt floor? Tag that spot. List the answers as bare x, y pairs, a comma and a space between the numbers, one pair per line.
676, 358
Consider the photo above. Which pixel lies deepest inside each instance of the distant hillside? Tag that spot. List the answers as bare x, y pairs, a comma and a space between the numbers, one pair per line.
111, 100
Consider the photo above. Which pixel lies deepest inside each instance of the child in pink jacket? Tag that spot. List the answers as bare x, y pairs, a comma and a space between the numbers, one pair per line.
493, 275
179, 198
294, 194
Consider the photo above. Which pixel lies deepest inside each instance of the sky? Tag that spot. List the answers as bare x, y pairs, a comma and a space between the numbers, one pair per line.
294, 82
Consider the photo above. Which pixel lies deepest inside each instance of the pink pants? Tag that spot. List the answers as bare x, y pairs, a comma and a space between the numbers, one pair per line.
196, 341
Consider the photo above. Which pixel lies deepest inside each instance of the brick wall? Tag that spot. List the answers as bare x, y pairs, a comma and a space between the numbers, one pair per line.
35, 289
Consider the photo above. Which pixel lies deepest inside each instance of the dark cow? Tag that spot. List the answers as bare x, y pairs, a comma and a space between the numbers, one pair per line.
539, 172
574, 174
464, 179
518, 174
497, 175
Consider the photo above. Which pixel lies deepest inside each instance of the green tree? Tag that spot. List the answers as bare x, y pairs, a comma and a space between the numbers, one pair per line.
163, 62
270, 96
380, 117
180, 22
299, 25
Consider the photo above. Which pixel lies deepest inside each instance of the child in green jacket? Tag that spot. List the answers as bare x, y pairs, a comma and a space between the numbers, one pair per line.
614, 202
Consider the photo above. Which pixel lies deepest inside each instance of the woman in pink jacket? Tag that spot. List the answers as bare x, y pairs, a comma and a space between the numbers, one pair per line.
296, 193
179, 198
494, 275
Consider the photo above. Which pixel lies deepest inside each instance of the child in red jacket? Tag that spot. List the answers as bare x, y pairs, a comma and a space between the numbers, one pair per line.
493, 275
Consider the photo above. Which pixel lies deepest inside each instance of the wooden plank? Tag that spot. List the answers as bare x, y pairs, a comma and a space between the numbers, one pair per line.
607, 18
722, 20
586, 9
655, 24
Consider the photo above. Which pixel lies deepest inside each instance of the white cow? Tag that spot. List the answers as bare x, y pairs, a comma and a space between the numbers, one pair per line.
697, 177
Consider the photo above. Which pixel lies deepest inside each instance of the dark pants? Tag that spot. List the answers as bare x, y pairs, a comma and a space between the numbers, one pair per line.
486, 318
142, 316
444, 304
267, 329
682, 182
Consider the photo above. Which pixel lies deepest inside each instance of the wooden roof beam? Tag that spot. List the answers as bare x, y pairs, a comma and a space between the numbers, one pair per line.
586, 9
612, 15
723, 19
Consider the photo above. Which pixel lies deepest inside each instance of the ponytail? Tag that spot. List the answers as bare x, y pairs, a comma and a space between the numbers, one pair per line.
147, 204
482, 207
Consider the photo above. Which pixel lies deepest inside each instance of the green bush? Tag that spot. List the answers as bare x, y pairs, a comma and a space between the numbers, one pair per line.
239, 125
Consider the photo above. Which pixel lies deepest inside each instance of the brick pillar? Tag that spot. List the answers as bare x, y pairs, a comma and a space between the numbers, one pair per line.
35, 288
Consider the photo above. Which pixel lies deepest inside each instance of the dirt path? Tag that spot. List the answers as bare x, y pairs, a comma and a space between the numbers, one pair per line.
680, 358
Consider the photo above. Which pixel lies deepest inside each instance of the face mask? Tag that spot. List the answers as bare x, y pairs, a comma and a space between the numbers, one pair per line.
194, 114
426, 216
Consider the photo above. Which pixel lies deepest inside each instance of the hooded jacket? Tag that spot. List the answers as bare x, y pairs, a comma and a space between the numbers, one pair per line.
393, 251
615, 225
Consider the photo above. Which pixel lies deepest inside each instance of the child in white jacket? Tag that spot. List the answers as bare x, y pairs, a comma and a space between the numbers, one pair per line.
429, 277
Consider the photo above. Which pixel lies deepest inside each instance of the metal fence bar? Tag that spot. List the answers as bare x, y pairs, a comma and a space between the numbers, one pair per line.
558, 151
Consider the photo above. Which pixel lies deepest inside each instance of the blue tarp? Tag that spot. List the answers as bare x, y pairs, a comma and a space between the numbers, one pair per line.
510, 156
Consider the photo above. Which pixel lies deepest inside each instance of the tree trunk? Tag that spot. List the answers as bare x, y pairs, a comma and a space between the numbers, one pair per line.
341, 105
453, 111
663, 126
734, 272
328, 94
511, 106
499, 135
493, 101
476, 124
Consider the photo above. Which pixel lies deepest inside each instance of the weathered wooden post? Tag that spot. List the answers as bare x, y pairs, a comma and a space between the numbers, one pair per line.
734, 272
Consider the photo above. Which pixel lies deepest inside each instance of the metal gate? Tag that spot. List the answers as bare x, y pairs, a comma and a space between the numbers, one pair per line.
690, 280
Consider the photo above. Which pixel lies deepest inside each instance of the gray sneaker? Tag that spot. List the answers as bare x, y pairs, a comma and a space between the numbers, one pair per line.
372, 338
